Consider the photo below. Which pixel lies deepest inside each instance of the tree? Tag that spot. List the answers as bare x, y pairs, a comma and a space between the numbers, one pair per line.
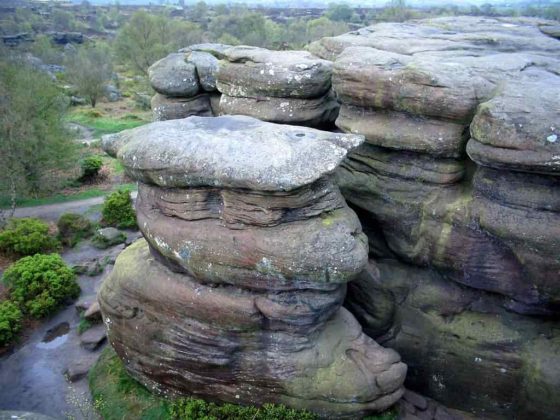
319, 28
34, 146
89, 69
340, 12
146, 38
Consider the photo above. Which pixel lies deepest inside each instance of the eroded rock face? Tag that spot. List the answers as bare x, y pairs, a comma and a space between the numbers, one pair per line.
167, 108
232, 151
235, 294
458, 182
173, 76
252, 72
316, 112
479, 345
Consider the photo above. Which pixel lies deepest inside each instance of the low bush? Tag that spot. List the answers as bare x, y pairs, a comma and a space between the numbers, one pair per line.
191, 408
91, 165
10, 322
27, 237
40, 284
118, 210
72, 228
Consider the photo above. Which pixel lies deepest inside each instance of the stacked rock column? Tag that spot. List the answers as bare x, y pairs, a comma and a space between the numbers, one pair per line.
235, 294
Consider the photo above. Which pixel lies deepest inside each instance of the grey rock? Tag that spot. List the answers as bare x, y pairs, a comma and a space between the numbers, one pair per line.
232, 151
551, 30
107, 237
111, 143
415, 399
316, 112
93, 313
84, 303
94, 337
252, 72
217, 50
468, 35
518, 129
206, 68
78, 369
432, 87
403, 131
112, 93
170, 108
174, 76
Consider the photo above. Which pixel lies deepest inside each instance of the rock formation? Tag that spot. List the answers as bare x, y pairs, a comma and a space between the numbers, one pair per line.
185, 83
235, 294
457, 189
289, 87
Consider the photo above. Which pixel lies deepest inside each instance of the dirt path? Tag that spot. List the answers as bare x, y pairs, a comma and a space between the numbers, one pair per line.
51, 212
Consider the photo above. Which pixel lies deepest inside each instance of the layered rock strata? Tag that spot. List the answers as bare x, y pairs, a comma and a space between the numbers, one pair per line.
290, 87
235, 294
458, 177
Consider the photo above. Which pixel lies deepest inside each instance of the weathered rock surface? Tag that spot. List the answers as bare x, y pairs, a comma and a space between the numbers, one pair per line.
228, 353
169, 108
479, 346
316, 112
93, 337
249, 246
231, 151
519, 128
403, 131
462, 35
478, 272
174, 76
252, 72
206, 68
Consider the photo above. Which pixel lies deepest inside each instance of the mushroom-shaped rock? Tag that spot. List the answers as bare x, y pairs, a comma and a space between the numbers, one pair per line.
236, 292
232, 151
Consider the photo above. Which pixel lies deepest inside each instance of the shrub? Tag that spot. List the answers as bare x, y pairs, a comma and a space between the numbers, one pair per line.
191, 408
73, 227
91, 165
27, 237
41, 283
118, 211
10, 322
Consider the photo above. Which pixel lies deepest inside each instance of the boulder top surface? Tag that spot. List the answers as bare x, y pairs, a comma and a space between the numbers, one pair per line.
458, 35
232, 152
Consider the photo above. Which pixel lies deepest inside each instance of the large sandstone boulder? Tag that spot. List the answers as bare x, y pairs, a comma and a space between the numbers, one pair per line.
236, 293
432, 87
316, 112
232, 152
174, 76
519, 128
404, 131
252, 72
169, 108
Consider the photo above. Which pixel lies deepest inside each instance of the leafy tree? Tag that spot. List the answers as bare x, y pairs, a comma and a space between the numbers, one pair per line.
89, 69
319, 28
146, 38
396, 11
34, 146
340, 12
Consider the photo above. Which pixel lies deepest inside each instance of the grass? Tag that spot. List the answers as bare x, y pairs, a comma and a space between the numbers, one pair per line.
83, 325
104, 124
117, 396
63, 198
